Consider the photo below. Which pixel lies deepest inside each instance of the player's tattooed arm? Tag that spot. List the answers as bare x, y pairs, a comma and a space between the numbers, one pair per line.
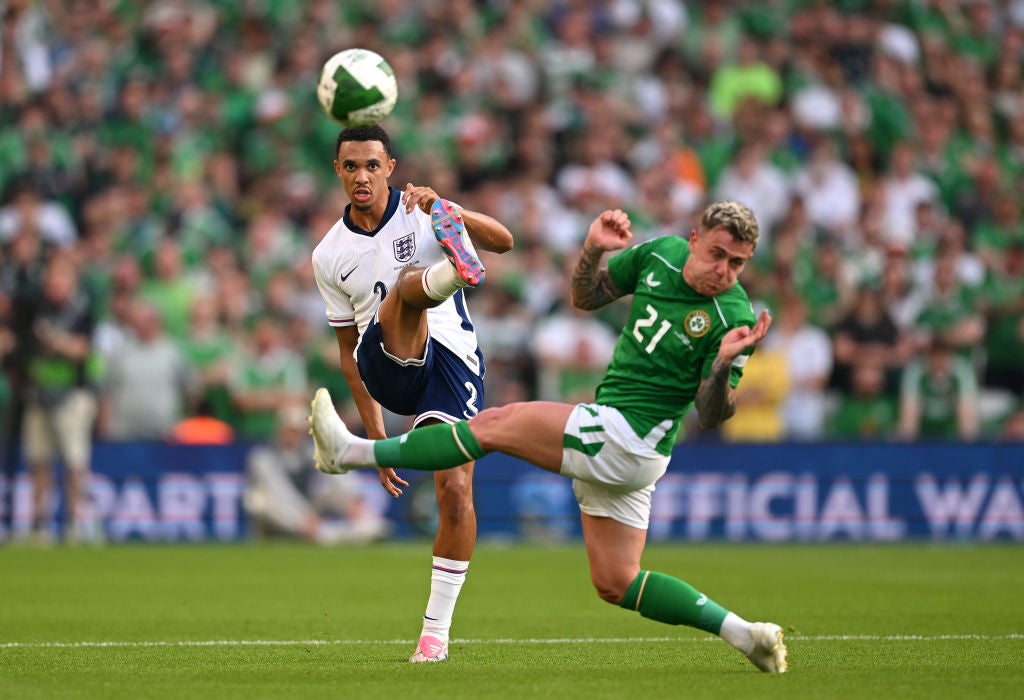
592, 286
715, 401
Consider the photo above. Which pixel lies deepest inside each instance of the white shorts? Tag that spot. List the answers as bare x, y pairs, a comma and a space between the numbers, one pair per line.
613, 469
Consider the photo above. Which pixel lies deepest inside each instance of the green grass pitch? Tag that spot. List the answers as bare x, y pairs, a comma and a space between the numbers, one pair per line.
253, 621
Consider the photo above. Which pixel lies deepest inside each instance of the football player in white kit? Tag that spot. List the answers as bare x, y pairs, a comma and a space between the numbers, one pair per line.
391, 272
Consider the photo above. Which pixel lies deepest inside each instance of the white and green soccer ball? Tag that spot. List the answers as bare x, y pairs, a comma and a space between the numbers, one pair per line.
357, 87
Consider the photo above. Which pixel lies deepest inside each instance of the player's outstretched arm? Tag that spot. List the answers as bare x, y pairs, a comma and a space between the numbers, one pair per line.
487, 232
592, 286
716, 401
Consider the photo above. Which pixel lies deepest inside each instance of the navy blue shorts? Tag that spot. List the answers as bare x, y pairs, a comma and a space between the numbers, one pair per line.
443, 387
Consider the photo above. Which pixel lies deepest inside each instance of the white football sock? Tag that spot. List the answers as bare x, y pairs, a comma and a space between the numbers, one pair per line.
446, 581
736, 631
359, 453
440, 281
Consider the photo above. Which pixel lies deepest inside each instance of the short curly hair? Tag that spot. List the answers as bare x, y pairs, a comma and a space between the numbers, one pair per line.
364, 133
734, 217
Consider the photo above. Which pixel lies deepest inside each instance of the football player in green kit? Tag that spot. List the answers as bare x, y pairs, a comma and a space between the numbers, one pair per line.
690, 331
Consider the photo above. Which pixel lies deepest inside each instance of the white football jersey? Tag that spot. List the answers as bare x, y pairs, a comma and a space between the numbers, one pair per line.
355, 269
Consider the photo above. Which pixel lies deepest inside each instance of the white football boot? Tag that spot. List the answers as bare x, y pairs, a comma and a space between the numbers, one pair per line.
330, 435
769, 653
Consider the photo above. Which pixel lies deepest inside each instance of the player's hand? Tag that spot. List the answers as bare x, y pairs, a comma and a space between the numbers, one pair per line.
422, 197
739, 339
610, 230
390, 480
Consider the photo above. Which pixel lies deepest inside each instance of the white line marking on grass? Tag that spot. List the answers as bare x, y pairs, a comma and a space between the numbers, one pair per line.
543, 640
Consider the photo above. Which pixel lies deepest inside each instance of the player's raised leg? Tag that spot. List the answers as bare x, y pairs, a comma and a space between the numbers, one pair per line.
531, 431
402, 314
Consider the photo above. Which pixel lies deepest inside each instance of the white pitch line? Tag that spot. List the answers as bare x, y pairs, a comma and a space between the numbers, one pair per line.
544, 640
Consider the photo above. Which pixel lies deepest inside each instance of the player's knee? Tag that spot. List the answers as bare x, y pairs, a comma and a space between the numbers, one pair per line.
489, 425
455, 495
610, 583
407, 272
609, 591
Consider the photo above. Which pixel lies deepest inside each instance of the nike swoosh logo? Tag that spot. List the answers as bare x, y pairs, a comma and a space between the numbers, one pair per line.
345, 277
651, 282
702, 600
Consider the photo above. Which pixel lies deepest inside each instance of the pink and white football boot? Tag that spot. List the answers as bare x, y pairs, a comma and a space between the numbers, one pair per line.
450, 232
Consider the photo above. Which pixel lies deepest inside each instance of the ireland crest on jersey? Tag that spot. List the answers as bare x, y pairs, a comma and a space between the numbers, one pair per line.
697, 323
405, 247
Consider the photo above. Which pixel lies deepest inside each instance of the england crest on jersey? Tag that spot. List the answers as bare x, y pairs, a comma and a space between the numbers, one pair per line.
405, 247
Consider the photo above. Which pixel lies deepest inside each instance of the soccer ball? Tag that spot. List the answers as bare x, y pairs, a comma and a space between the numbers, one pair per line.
357, 87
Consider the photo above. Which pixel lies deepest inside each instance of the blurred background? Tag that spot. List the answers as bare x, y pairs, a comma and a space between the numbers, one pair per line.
165, 172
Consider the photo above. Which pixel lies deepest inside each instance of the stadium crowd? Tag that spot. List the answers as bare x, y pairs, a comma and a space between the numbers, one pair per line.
164, 179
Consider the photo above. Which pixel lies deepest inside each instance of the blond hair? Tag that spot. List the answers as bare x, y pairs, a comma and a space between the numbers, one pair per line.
734, 217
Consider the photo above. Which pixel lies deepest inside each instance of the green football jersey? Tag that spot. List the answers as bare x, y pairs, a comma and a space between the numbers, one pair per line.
670, 340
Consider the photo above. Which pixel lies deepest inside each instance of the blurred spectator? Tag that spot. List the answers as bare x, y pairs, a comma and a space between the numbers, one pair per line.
267, 375
759, 399
749, 77
867, 412
503, 325
60, 411
993, 237
573, 349
824, 285
22, 268
271, 242
830, 189
867, 333
209, 351
27, 208
1003, 303
1013, 427
899, 294
168, 289
147, 384
593, 181
939, 396
284, 497
25, 30
114, 326
808, 352
712, 34
949, 311
903, 188
754, 181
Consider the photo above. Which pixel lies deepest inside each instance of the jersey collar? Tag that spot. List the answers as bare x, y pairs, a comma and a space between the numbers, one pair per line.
393, 200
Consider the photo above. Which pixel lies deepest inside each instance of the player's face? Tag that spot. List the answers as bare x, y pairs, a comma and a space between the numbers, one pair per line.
364, 168
716, 260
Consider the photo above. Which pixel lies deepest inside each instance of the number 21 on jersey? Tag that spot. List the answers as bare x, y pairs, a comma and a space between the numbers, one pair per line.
645, 323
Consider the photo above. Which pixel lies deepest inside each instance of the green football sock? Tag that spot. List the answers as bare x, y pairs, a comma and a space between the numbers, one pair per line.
430, 448
667, 599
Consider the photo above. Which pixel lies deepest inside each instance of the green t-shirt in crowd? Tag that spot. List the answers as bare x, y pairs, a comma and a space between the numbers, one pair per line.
939, 395
863, 418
